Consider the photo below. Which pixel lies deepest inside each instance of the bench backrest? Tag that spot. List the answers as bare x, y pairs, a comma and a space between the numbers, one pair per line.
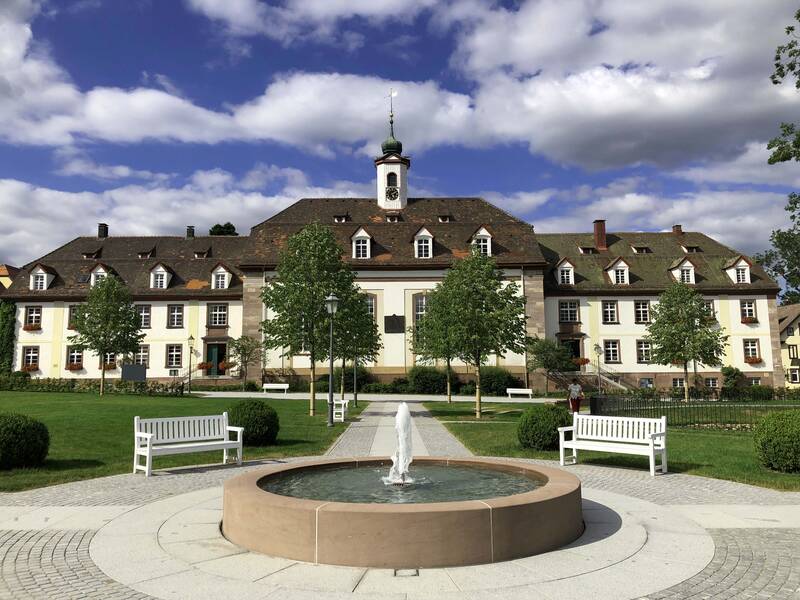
184, 429
617, 429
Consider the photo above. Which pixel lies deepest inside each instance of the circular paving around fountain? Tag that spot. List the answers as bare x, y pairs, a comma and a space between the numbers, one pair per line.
436, 534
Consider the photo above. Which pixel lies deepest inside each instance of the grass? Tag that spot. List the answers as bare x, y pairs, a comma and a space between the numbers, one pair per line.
711, 453
92, 436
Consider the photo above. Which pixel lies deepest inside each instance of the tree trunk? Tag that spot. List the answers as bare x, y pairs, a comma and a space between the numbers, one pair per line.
341, 384
478, 389
311, 387
102, 373
243, 369
546, 384
355, 381
686, 381
694, 380
449, 385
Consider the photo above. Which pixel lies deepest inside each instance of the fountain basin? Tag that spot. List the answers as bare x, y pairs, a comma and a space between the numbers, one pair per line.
414, 535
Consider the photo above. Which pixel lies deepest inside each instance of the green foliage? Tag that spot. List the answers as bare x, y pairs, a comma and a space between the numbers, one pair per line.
550, 356
355, 331
538, 426
777, 441
434, 335
226, 229
245, 351
310, 268
732, 378
8, 312
427, 380
495, 380
107, 322
363, 377
259, 419
786, 147
681, 332
782, 261
24, 442
23, 382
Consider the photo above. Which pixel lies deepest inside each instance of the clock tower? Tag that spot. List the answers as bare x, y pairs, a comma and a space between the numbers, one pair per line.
392, 172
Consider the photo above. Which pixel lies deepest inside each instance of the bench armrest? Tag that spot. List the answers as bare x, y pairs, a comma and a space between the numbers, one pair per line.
563, 429
658, 434
143, 435
239, 431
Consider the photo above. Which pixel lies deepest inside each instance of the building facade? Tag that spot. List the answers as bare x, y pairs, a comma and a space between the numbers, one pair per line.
789, 327
593, 291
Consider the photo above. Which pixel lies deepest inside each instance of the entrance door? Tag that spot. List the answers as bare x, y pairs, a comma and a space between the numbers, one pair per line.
574, 347
215, 354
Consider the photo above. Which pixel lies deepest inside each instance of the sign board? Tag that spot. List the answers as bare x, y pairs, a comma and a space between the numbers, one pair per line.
134, 373
394, 324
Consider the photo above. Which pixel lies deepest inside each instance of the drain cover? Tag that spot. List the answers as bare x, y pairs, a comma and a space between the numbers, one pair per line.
406, 572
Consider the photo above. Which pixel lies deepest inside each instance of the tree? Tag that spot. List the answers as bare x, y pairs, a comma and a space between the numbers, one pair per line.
433, 338
8, 313
786, 146
226, 229
356, 336
310, 268
491, 313
245, 351
108, 323
782, 261
550, 356
681, 331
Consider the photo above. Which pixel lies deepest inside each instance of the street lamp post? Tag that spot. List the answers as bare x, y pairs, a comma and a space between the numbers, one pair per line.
598, 351
331, 304
190, 343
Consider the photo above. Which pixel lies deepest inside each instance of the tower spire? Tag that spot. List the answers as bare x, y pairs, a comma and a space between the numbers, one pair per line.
391, 144
391, 111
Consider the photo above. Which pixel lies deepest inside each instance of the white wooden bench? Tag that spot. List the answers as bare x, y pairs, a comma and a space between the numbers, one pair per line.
519, 391
181, 435
340, 409
275, 386
621, 435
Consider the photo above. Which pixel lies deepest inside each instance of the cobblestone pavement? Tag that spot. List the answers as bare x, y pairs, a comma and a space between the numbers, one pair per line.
52, 563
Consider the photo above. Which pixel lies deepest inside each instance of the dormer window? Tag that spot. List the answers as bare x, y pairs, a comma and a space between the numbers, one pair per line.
392, 218
642, 249
445, 218
587, 249
692, 249
566, 274
482, 241
340, 218
41, 277
620, 276
160, 277
738, 270
39, 282
423, 244
741, 275
618, 272
147, 253
220, 278
98, 274
687, 274
91, 254
362, 243
202, 253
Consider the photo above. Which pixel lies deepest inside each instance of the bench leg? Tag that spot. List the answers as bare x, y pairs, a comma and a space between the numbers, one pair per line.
652, 464
561, 454
225, 456
574, 456
148, 467
239, 455
663, 461
135, 462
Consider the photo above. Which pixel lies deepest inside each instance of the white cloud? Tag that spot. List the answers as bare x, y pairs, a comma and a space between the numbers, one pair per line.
75, 162
750, 167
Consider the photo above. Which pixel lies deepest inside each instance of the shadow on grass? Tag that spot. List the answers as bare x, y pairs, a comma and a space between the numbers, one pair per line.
66, 464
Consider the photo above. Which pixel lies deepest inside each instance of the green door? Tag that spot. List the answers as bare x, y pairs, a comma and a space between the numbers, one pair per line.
212, 356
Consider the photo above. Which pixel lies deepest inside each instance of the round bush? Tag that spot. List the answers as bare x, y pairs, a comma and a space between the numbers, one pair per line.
24, 442
427, 380
777, 441
538, 426
259, 419
495, 380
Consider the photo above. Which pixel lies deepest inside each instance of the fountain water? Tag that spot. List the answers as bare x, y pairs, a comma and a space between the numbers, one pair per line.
402, 457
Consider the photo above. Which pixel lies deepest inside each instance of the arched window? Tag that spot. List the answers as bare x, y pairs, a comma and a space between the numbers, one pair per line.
391, 180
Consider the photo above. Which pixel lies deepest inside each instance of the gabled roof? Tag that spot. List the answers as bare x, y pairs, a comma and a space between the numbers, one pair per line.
736, 260
615, 261
680, 260
8, 270
164, 266
787, 315
46, 268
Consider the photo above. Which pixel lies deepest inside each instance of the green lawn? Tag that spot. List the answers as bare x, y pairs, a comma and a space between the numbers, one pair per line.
92, 436
711, 453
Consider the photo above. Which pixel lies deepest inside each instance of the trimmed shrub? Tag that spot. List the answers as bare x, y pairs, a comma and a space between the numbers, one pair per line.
538, 426
259, 419
495, 380
427, 380
24, 442
377, 388
364, 377
400, 386
777, 441
467, 389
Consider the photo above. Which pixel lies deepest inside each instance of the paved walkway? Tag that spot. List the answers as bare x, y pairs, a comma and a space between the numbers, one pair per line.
129, 537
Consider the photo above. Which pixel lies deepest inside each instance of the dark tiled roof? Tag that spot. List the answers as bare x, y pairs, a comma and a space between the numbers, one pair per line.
787, 315
190, 276
8, 270
649, 272
513, 240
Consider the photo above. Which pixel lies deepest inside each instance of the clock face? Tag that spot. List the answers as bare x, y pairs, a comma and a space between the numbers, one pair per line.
392, 193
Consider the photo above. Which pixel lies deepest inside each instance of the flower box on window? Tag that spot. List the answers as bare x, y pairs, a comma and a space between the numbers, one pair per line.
580, 361
30, 368
753, 360
109, 366
74, 366
225, 365
749, 320
32, 327
205, 366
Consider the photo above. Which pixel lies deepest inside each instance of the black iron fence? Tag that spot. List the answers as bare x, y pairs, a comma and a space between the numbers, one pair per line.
738, 409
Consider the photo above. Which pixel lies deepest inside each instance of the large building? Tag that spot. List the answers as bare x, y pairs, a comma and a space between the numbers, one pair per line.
592, 291
789, 328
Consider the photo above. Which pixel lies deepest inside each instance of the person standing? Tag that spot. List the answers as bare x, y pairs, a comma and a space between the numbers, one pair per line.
575, 396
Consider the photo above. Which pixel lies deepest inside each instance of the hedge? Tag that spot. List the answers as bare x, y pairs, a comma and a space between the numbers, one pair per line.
24, 442
777, 441
20, 382
538, 426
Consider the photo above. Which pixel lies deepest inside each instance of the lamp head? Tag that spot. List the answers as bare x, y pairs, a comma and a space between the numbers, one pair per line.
331, 304
191, 342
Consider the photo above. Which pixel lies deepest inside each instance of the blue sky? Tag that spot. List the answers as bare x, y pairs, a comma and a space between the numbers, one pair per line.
151, 115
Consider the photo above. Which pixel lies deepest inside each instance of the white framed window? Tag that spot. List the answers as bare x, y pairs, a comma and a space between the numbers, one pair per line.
420, 306
142, 356
643, 351
371, 309
568, 311
678, 382
220, 280
30, 356
144, 315
750, 348
565, 276
33, 315
687, 274
423, 247
74, 356
110, 358
792, 350
741, 275
620, 276
794, 375
159, 281
754, 380
361, 248
173, 372
711, 382
39, 281
174, 355
611, 351
175, 316
646, 382
747, 308
483, 244
641, 311
610, 313
710, 309
218, 315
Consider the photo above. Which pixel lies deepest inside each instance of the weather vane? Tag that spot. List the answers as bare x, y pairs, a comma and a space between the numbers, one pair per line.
392, 94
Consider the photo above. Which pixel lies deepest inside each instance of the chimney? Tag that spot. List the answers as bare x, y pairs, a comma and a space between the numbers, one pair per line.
677, 230
102, 231
189, 232
600, 234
